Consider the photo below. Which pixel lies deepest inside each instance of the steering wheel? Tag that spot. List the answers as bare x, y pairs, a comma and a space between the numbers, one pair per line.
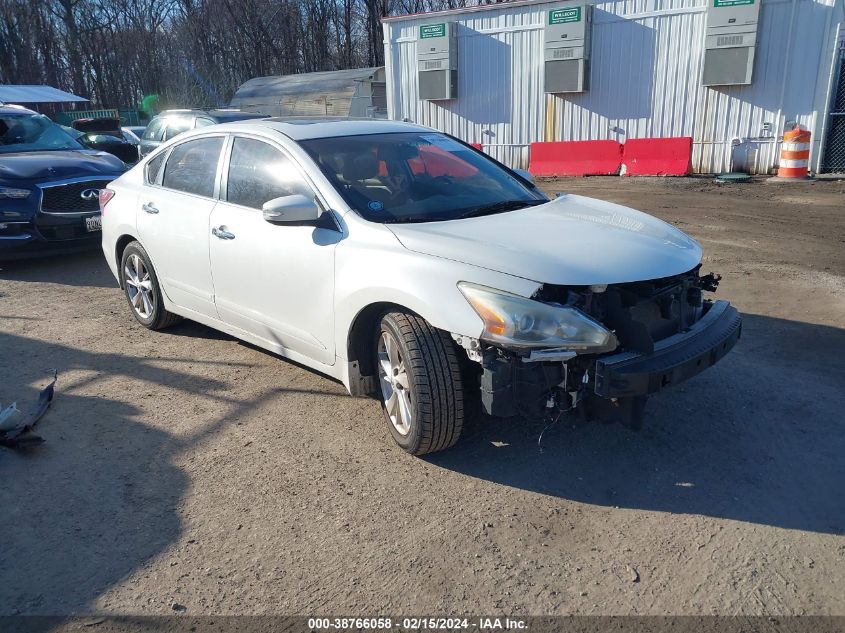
398, 185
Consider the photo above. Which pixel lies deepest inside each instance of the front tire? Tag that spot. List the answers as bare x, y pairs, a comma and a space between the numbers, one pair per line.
422, 393
142, 290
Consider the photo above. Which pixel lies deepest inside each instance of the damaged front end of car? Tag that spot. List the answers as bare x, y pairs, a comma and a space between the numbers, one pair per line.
600, 350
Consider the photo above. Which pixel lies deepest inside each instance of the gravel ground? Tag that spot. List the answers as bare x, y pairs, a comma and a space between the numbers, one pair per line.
187, 470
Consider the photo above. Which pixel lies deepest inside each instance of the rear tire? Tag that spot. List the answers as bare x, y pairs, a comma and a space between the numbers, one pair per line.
142, 290
421, 388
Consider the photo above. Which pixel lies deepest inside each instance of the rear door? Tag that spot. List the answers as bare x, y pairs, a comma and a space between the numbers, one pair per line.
173, 221
273, 280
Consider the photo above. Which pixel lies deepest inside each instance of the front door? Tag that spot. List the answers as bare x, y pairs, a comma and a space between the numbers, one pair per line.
173, 222
275, 281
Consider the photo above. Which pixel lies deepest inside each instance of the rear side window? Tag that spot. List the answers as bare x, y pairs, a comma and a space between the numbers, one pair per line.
259, 172
203, 122
154, 131
153, 167
176, 126
192, 166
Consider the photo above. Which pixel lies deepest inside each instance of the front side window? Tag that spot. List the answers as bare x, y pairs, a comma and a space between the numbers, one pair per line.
33, 132
154, 131
418, 177
259, 172
177, 126
192, 166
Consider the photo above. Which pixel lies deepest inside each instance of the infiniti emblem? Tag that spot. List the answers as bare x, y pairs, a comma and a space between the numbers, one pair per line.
89, 194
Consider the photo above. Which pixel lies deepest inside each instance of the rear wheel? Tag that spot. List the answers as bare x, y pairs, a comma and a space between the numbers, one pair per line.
142, 290
422, 392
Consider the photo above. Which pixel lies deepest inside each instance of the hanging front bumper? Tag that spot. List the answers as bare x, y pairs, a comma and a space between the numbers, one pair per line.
674, 359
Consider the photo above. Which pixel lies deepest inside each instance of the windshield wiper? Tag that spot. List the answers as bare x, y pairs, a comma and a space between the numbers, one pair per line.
489, 209
498, 207
409, 219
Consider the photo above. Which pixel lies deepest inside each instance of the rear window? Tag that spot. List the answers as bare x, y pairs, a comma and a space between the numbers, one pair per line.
192, 166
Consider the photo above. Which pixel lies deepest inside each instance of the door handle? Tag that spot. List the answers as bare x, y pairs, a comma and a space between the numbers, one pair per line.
150, 208
221, 233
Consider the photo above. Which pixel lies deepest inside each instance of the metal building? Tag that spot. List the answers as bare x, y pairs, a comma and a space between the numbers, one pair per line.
521, 72
359, 92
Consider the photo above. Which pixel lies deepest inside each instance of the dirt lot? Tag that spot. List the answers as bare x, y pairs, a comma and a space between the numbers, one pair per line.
185, 467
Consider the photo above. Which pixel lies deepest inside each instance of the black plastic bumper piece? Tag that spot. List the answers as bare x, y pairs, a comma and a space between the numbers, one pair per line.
674, 360
497, 387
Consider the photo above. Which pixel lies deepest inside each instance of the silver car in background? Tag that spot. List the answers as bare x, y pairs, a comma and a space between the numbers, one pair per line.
169, 124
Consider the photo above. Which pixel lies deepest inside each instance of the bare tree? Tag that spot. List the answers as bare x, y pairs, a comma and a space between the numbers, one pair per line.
191, 52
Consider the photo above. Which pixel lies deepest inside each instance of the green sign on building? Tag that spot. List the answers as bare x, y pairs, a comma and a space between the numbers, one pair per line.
433, 30
573, 14
731, 3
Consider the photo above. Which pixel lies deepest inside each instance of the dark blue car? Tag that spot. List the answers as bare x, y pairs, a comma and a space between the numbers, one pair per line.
49, 186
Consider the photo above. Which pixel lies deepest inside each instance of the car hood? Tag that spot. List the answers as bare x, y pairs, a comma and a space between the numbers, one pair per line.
56, 165
571, 240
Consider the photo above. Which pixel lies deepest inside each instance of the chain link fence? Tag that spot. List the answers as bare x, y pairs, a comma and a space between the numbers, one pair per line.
834, 147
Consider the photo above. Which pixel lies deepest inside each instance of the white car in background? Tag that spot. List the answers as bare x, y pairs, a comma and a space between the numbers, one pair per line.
409, 265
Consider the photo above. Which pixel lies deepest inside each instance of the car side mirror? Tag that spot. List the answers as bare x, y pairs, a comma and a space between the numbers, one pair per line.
295, 208
522, 173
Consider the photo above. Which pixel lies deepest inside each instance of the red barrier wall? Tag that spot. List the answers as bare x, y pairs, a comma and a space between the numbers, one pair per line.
575, 158
657, 156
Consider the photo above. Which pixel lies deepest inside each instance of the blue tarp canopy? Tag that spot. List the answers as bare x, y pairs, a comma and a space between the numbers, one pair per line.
36, 94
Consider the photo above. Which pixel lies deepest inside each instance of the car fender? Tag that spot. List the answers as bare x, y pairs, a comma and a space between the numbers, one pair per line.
379, 270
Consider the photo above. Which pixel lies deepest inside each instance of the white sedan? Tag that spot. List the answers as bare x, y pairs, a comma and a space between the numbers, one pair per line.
409, 265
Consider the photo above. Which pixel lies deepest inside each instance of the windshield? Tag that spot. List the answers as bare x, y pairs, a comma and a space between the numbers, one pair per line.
417, 177
31, 132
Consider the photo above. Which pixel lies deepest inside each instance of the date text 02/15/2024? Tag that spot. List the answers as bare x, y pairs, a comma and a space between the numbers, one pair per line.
418, 623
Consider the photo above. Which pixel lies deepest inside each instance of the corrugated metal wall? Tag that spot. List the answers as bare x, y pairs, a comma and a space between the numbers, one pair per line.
645, 80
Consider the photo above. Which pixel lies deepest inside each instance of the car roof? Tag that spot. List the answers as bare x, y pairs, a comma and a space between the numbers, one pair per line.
9, 108
300, 129
220, 115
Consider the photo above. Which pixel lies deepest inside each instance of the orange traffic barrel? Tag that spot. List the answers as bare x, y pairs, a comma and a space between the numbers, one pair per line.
794, 153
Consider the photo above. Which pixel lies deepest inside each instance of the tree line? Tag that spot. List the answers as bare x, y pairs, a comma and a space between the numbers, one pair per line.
190, 52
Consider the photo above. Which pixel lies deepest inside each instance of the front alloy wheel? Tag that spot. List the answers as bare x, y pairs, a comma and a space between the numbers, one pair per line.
395, 388
422, 392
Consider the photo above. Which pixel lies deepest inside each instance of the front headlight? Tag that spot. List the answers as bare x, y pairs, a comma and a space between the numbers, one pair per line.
15, 194
519, 322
